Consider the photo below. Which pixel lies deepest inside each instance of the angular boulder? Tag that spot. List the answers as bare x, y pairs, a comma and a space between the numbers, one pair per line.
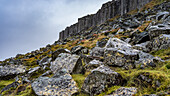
120, 58
119, 53
100, 79
61, 84
10, 71
72, 63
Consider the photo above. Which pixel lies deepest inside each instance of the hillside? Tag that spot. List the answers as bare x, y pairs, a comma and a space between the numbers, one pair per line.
127, 54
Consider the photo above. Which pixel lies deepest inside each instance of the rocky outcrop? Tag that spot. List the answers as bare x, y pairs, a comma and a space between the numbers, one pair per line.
101, 78
108, 11
61, 84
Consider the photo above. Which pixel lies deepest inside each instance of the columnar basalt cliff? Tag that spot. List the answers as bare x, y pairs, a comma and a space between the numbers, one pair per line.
108, 11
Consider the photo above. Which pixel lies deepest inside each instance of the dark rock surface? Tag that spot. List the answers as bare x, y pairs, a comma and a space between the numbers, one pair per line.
101, 77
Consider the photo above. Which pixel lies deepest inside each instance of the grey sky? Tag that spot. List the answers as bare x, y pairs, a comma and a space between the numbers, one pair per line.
27, 25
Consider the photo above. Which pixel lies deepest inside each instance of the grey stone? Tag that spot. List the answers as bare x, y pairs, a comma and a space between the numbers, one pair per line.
72, 63
62, 85
10, 71
99, 79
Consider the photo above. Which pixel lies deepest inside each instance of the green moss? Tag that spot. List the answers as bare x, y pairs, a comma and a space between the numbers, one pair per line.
27, 92
79, 79
163, 54
4, 83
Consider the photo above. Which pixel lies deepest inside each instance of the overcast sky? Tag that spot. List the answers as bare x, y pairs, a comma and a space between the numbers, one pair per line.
27, 25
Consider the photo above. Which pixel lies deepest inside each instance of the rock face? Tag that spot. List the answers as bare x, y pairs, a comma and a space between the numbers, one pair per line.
72, 63
99, 79
61, 84
11, 71
108, 11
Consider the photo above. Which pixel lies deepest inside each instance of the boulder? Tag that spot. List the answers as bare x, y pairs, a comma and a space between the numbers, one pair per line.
155, 31
117, 43
100, 79
123, 91
10, 71
59, 51
61, 84
72, 63
119, 53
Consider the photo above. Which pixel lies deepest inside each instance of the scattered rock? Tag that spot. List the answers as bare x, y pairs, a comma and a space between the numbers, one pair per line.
10, 71
100, 79
61, 84
72, 63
